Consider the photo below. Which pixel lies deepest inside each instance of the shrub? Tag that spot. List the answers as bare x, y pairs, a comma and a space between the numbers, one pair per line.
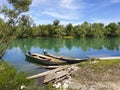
10, 79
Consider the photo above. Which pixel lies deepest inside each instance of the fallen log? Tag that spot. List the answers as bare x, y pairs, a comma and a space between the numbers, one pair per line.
49, 67
47, 72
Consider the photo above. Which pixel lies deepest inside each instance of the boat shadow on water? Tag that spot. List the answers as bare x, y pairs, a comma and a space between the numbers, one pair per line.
30, 60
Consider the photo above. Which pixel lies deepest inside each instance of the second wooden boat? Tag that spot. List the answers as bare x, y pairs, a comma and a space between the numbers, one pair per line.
67, 59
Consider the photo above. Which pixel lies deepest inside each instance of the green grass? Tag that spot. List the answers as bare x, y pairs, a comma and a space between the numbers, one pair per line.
68, 37
100, 63
10, 79
98, 70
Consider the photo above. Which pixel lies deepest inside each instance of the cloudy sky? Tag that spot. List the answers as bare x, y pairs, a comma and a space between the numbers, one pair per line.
73, 11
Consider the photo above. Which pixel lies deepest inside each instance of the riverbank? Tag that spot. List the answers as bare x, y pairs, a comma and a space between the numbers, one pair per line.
91, 75
10, 78
96, 75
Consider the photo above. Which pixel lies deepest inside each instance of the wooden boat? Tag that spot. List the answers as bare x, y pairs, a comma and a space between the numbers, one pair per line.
67, 59
44, 59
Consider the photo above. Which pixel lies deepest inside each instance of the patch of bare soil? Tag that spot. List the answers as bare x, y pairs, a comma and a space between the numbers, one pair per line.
96, 78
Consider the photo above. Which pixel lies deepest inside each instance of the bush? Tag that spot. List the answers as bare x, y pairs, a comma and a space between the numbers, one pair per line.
10, 79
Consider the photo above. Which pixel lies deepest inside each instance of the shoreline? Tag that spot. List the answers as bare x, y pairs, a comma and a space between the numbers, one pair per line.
94, 75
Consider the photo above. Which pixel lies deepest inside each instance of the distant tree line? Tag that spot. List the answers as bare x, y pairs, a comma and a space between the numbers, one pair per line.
27, 28
98, 30
84, 30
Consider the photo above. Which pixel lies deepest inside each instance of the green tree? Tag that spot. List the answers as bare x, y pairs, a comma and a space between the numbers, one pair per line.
43, 30
82, 30
25, 23
69, 29
50, 30
57, 29
35, 31
96, 30
56, 22
117, 32
111, 29
13, 17
79, 31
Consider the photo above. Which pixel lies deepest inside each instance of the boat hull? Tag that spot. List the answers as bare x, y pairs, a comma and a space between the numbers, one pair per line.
67, 59
44, 60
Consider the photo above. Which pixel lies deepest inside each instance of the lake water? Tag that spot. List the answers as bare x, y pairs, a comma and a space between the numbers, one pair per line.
80, 48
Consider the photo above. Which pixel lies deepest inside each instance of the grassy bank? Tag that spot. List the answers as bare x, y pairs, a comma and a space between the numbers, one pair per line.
11, 79
91, 75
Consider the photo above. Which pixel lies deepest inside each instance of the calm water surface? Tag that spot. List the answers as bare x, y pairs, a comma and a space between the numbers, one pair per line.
80, 48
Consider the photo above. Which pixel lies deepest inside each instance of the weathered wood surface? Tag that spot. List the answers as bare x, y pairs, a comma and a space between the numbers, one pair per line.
49, 77
61, 78
49, 67
46, 57
47, 72
55, 76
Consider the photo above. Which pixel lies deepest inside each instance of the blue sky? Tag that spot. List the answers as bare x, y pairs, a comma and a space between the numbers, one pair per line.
73, 11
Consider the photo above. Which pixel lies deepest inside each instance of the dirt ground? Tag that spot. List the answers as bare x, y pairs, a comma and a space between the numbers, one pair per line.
93, 76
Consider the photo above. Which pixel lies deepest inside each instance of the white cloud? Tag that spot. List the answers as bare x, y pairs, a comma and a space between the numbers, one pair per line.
36, 3
37, 22
105, 21
62, 22
57, 9
60, 15
73, 4
68, 11
68, 4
